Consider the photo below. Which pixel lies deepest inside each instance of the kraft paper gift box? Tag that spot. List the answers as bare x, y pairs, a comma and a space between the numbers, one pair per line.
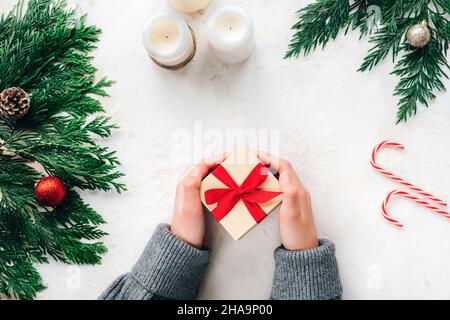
240, 192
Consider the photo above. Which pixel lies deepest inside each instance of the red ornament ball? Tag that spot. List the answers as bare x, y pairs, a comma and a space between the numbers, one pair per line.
50, 191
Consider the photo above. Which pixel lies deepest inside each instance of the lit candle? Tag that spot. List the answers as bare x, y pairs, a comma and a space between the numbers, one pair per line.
169, 41
230, 33
189, 6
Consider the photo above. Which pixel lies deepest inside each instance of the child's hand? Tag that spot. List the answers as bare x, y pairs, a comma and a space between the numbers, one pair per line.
297, 228
188, 222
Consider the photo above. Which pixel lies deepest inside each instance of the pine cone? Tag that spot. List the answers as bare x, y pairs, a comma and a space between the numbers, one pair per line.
14, 103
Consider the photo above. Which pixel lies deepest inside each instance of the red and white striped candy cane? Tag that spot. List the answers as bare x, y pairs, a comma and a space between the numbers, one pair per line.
392, 176
417, 200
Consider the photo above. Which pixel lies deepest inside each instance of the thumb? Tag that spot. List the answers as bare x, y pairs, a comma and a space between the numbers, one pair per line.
289, 186
188, 190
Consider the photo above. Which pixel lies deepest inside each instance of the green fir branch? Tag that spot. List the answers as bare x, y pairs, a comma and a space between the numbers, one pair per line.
19, 277
388, 38
319, 22
45, 49
420, 73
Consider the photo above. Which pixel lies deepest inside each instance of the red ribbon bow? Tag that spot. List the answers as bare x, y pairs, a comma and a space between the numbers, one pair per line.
248, 192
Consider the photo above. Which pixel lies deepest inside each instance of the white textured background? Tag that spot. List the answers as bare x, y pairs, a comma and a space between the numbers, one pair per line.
329, 117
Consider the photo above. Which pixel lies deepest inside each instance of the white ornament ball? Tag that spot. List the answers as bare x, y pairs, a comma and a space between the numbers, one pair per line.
418, 35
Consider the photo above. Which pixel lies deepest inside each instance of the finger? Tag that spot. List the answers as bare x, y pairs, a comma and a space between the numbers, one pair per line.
289, 186
212, 162
276, 163
305, 205
296, 199
195, 176
202, 168
280, 165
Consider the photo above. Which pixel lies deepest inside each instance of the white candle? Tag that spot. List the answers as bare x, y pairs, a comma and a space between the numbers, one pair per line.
230, 34
168, 39
189, 6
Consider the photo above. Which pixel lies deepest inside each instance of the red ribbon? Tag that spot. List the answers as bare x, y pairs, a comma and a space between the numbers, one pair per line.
248, 192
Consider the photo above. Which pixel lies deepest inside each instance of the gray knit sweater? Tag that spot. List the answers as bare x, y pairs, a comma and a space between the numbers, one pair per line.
169, 268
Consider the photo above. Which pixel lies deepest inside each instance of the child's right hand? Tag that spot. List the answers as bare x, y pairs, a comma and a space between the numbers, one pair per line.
188, 222
297, 228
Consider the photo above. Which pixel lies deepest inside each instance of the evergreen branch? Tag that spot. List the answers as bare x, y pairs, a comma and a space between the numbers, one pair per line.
74, 211
363, 16
86, 167
319, 22
443, 4
421, 72
18, 277
45, 49
386, 39
395, 22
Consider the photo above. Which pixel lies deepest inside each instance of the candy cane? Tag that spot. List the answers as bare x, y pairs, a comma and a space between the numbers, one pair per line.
396, 178
417, 200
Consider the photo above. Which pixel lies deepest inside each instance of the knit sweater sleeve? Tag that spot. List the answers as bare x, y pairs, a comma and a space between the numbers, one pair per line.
307, 275
168, 268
